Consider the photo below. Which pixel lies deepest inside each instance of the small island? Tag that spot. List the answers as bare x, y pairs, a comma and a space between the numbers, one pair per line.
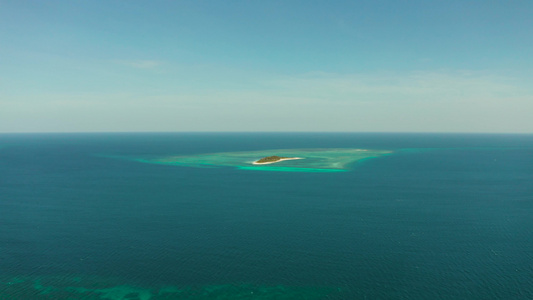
273, 159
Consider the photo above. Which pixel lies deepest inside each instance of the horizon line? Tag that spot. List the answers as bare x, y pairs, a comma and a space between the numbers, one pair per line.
267, 132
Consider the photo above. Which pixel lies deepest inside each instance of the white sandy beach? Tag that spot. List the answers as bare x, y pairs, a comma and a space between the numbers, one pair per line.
273, 162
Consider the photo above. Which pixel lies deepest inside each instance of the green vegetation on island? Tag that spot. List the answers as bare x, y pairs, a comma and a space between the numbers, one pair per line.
272, 158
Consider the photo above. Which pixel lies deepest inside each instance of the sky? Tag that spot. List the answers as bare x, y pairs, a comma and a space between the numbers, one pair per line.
279, 66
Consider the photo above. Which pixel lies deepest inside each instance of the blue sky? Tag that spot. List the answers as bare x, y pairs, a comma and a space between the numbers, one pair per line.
394, 66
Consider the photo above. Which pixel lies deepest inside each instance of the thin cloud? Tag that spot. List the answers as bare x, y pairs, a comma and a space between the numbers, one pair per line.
390, 86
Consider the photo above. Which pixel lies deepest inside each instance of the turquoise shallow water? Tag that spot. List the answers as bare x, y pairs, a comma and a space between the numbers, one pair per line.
310, 160
50, 287
441, 217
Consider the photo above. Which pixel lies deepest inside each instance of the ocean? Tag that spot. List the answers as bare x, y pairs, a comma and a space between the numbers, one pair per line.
98, 216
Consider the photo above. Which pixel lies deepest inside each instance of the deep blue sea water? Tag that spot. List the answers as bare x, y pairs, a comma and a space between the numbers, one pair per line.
446, 216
